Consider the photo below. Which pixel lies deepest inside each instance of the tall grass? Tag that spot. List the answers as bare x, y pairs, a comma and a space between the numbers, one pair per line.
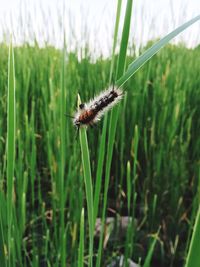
9, 247
113, 119
144, 167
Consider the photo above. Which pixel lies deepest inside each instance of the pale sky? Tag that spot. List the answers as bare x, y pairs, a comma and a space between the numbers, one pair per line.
93, 21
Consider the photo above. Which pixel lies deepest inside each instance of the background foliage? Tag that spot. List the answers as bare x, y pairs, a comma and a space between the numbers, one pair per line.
159, 114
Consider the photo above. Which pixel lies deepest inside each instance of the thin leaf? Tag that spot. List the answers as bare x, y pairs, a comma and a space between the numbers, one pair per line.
88, 187
151, 250
81, 242
141, 60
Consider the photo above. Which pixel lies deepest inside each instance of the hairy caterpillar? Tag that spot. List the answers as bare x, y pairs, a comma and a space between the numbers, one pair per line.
91, 112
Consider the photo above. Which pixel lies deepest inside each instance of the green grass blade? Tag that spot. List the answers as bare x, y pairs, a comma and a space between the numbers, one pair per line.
3, 237
124, 40
114, 116
141, 60
192, 259
98, 183
81, 242
147, 262
88, 187
103, 136
114, 113
115, 38
136, 141
10, 143
63, 157
128, 181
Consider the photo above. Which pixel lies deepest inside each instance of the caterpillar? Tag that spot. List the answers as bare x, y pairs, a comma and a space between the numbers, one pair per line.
91, 112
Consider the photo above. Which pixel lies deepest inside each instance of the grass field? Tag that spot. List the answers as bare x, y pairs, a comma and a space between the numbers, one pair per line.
154, 154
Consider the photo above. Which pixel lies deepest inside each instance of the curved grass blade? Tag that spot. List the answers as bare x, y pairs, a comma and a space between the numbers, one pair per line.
141, 60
